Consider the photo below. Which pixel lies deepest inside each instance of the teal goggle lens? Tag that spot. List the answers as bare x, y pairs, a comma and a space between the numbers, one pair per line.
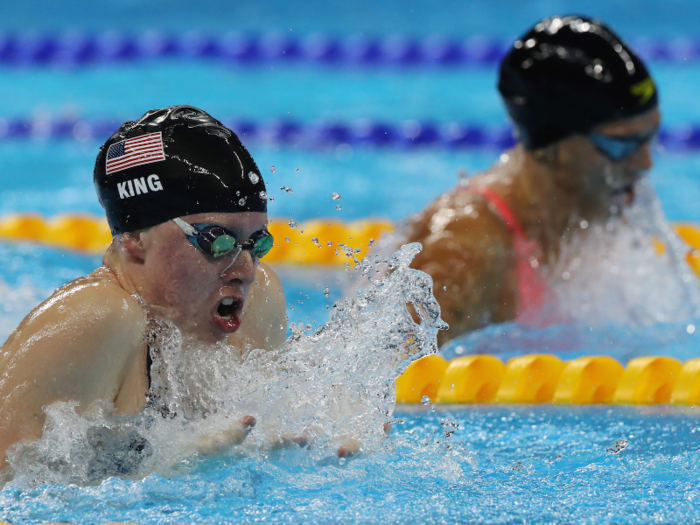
223, 245
217, 241
262, 246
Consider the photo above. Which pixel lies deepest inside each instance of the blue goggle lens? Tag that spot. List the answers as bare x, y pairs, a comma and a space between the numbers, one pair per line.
620, 148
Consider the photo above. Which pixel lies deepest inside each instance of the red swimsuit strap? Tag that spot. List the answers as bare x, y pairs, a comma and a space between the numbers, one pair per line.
531, 284
502, 208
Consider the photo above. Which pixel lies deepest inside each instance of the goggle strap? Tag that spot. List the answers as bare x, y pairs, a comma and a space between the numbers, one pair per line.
185, 227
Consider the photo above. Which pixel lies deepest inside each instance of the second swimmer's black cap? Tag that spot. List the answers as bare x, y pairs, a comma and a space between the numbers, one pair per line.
568, 75
172, 162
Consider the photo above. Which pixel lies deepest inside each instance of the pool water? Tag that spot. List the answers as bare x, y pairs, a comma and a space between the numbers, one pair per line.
541, 464
502, 464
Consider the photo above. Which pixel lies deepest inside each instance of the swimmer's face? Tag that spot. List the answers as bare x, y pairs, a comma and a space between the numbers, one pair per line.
201, 294
604, 185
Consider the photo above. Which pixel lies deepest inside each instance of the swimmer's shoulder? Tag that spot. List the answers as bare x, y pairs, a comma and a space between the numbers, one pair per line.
461, 216
98, 296
94, 309
79, 344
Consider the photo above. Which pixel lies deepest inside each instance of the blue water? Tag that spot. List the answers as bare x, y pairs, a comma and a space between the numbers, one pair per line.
504, 464
416, 17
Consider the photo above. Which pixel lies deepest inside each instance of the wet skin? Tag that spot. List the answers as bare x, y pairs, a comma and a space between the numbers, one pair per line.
467, 248
87, 341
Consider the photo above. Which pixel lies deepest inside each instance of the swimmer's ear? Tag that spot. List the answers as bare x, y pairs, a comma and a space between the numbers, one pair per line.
131, 243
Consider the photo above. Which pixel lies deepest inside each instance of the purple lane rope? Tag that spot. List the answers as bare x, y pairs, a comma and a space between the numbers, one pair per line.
360, 133
75, 48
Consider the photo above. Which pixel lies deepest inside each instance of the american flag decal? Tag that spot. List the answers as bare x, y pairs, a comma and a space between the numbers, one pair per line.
134, 152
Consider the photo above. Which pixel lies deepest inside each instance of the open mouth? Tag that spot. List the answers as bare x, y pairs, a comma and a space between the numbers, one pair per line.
228, 314
227, 307
623, 195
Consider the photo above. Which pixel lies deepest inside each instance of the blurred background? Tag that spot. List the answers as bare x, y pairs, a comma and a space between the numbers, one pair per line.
384, 103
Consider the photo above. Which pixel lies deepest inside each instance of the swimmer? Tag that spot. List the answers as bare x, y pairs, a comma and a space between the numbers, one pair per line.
187, 208
586, 114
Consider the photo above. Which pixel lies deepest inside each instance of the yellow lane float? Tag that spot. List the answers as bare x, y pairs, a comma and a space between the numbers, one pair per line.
687, 388
471, 379
588, 380
648, 381
422, 378
530, 379
690, 233
543, 378
320, 241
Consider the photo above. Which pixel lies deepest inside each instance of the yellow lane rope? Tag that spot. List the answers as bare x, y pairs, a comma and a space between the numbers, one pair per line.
544, 378
319, 241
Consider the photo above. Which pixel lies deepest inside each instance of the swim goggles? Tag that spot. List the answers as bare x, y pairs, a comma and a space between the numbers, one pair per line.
623, 147
218, 241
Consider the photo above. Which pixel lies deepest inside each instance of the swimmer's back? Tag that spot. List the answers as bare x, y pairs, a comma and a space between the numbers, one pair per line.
81, 344
468, 251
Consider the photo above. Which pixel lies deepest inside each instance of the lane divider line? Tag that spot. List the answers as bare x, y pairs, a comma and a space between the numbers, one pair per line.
362, 133
545, 378
318, 241
80, 49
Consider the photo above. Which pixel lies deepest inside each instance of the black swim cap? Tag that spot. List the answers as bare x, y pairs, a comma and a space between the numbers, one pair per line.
172, 162
569, 74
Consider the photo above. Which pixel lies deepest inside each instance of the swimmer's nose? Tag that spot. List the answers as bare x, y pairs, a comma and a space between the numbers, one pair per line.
642, 160
242, 269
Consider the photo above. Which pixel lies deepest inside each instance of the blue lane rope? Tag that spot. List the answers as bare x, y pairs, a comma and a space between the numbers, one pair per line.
408, 134
81, 48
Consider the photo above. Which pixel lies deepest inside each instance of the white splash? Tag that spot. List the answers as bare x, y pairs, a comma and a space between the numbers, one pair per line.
612, 273
333, 385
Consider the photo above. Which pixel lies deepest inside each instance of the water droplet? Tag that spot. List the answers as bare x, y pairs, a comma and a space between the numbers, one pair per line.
254, 177
262, 195
342, 461
297, 169
338, 207
444, 288
286, 239
289, 190
267, 299
425, 400
272, 169
314, 240
292, 224
336, 196
241, 202
283, 188
326, 291
330, 243
691, 328
272, 198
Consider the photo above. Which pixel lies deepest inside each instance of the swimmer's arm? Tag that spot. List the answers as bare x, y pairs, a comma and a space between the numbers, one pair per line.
264, 319
75, 346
